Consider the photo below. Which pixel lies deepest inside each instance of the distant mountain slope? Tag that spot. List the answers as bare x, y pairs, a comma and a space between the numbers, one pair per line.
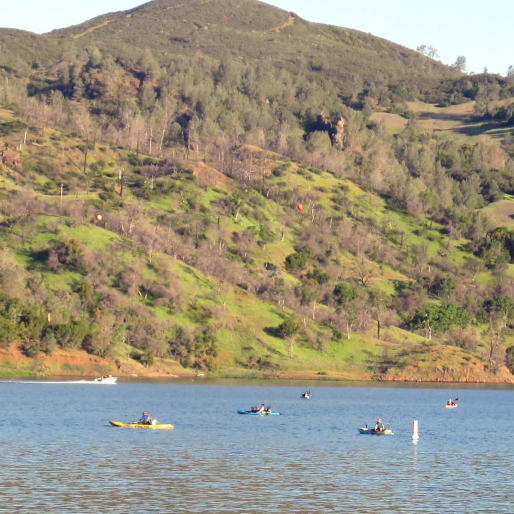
244, 30
19, 50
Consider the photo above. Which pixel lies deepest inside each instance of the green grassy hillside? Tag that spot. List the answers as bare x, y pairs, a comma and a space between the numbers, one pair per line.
222, 187
189, 267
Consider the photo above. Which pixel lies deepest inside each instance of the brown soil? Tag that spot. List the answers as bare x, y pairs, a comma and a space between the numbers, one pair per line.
78, 363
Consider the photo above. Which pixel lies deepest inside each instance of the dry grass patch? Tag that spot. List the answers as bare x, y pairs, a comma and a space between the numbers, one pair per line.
501, 213
393, 122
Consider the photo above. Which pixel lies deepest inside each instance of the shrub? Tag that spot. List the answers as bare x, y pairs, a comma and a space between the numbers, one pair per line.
295, 261
72, 334
509, 358
321, 277
8, 332
31, 322
147, 358
288, 328
443, 287
344, 293
49, 342
68, 253
31, 348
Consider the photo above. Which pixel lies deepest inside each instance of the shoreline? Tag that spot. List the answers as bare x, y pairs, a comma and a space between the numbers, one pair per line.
76, 364
284, 379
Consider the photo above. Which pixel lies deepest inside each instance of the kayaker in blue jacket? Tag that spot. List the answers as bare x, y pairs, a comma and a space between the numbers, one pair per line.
145, 419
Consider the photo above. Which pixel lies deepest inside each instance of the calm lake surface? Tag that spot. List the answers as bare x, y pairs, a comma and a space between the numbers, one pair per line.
60, 454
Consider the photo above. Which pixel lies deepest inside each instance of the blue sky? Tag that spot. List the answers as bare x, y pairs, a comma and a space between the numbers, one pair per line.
480, 30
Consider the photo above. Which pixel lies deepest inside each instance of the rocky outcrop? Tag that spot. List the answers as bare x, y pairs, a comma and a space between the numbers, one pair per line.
337, 133
335, 129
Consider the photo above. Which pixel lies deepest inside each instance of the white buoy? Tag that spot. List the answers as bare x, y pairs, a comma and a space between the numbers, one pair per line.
415, 430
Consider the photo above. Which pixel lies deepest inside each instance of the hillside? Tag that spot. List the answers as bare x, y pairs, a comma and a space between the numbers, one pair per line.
456, 119
214, 288
188, 208
235, 31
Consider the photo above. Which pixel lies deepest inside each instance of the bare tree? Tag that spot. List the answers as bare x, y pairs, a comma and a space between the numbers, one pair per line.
460, 63
496, 337
365, 271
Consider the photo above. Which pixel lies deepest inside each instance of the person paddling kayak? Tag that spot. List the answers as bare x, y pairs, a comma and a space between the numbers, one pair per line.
379, 427
145, 419
262, 408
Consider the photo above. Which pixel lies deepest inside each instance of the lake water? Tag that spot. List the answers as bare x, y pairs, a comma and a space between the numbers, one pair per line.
59, 453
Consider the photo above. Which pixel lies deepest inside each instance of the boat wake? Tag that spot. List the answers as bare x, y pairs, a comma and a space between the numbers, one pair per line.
96, 381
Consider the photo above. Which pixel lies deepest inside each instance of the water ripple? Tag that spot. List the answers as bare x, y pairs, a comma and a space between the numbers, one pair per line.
217, 461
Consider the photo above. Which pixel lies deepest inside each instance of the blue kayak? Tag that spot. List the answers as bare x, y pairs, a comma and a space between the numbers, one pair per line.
372, 431
264, 413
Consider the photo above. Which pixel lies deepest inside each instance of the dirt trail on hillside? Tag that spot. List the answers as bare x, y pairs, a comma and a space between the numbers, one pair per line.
284, 25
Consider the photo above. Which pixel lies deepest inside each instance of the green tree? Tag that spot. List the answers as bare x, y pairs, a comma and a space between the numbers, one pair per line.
73, 334
344, 293
443, 286
434, 317
148, 64
289, 327
288, 330
318, 275
12, 276
8, 332
295, 261
501, 305
147, 98
95, 58
380, 303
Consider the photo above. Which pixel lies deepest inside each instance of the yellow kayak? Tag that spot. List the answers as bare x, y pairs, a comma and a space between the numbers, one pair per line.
454, 406
158, 426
